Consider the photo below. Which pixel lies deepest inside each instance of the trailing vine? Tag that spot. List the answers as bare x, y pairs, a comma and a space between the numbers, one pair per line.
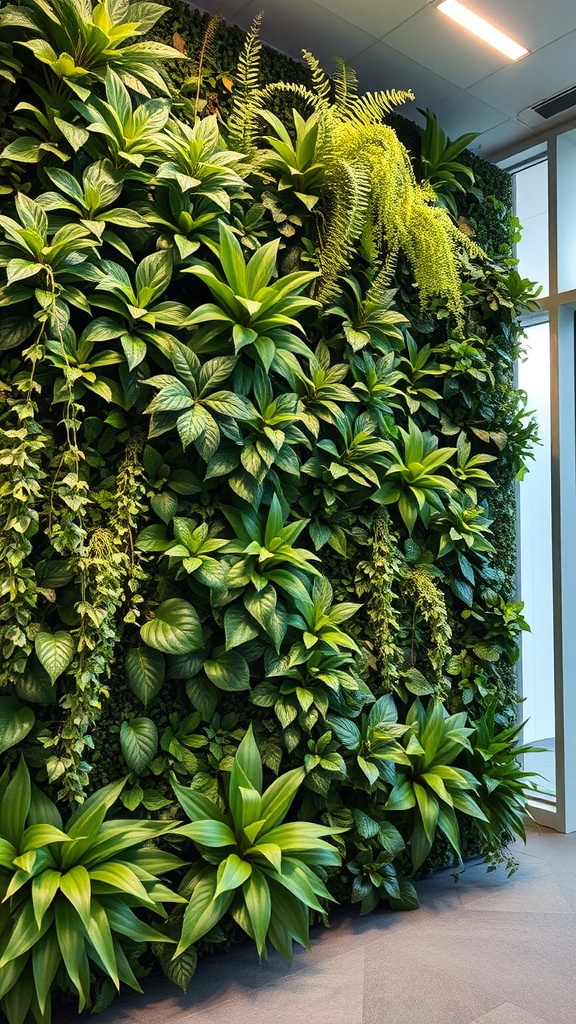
377, 581
429, 604
110, 577
24, 452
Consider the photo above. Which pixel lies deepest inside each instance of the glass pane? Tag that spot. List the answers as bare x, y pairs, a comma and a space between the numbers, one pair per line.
532, 212
535, 510
566, 211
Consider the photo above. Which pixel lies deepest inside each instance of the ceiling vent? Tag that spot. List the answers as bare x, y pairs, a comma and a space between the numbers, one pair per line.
556, 104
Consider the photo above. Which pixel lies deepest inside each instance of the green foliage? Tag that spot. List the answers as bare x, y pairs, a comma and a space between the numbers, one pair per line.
80, 43
259, 866
431, 789
411, 480
438, 164
71, 896
258, 441
504, 786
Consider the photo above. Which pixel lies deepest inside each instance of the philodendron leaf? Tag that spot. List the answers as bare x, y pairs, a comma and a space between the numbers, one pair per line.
175, 629
139, 742
145, 669
15, 722
228, 670
55, 652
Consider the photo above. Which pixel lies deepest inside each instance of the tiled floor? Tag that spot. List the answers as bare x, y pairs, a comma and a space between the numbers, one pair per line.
483, 950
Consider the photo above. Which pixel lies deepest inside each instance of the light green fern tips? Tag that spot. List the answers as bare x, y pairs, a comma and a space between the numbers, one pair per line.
369, 192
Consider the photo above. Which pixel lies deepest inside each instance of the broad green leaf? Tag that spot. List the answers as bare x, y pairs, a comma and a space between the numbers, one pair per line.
46, 959
121, 877
175, 629
428, 807
290, 919
101, 938
15, 722
44, 888
55, 652
228, 670
25, 150
75, 884
139, 742
402, 797
239, 627
208, 833
346, 731
249, 761
198, 806
408, 899
87, 819
38, 835
180, 969
203, 911
232, 873
416, 683
124, 921
277, 799
25, 933
259, 905
15, 805
153, 275
145, 669
16, 1002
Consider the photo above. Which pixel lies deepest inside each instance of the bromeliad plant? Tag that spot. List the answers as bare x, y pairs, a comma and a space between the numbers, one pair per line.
260, 316
412, 481
264, 870
72, 895
430, 790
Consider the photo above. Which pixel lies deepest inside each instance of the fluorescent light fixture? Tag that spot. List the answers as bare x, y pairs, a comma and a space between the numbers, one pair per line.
483, 29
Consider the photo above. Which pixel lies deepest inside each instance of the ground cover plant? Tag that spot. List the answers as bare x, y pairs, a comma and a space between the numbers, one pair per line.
258, 434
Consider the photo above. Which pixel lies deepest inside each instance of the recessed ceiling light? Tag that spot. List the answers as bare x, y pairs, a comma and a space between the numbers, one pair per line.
483, 29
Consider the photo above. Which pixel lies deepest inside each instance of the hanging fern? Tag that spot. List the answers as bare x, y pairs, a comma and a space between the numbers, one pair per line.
377, 582
369, 192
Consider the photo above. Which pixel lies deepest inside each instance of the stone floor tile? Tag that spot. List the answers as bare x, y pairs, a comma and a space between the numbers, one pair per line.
510, 1013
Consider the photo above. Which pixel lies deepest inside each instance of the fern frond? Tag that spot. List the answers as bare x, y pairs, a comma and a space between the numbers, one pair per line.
373, 106
320, 80
347, 199
294, 88
245, 98
381, 291
345, 86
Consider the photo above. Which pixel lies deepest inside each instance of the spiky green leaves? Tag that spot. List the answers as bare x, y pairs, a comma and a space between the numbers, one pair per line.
94, 33
412, 479
259, 867
430, 789
72, 896
261, 316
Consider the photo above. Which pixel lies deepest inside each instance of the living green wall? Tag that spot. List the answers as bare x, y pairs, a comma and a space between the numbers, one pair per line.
258, 444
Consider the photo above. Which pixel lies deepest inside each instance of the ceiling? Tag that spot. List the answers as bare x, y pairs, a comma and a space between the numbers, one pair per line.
408, 44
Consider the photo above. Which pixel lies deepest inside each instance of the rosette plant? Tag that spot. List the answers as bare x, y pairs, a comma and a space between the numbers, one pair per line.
71, 895
252, 863
430, 789
261, 316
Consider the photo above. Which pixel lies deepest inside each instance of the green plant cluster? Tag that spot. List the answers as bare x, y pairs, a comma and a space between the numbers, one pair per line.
257, 437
